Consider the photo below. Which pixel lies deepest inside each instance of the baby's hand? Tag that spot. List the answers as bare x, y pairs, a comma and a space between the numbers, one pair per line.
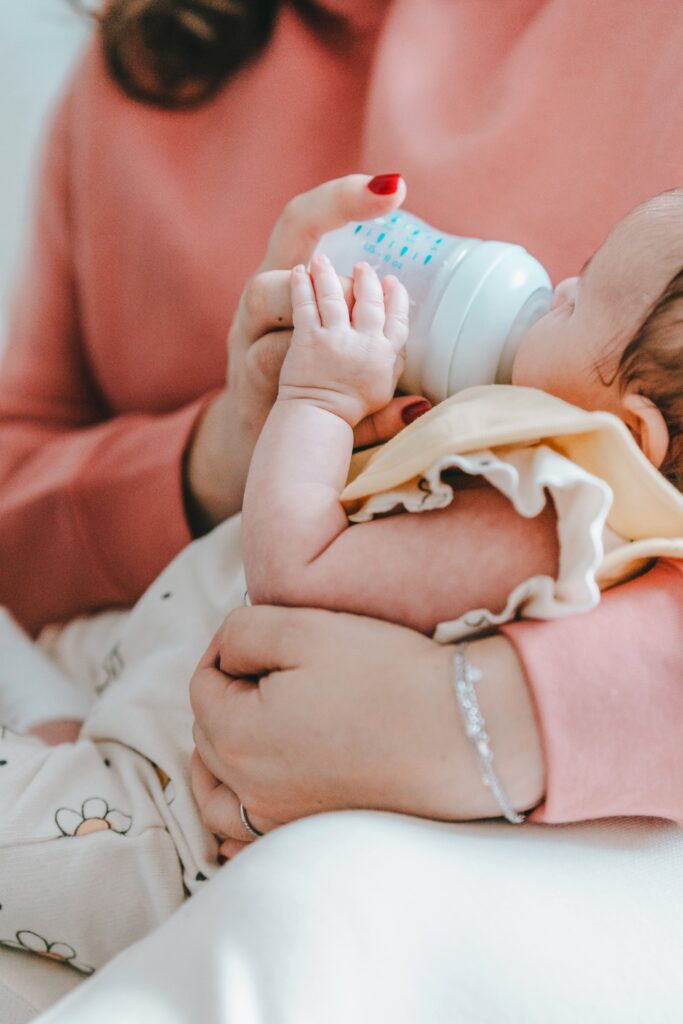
346, 363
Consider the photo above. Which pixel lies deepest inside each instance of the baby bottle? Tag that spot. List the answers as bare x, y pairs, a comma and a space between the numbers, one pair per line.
471, 301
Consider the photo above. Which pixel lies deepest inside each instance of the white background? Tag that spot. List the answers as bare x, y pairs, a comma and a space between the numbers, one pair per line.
39, 39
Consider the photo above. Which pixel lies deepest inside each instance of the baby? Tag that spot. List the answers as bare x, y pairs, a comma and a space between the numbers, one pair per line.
116, 807
612, 341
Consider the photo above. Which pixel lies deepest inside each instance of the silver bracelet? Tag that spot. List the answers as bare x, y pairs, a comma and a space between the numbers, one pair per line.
466, 677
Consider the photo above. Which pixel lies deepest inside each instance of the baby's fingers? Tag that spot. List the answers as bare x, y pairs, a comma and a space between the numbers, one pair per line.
305, 315
329, 293
397, 305
368, 311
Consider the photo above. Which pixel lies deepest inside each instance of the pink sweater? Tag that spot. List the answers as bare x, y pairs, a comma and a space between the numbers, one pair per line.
539, 121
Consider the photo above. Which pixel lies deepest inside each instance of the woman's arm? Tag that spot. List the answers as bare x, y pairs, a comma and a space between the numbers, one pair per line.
607, 689
89, 510
93, 503
349, 712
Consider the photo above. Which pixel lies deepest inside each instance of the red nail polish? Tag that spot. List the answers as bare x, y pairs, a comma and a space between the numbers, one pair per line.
384, 184
410, 413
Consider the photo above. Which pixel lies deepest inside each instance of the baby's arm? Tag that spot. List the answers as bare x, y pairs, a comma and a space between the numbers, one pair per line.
416, 570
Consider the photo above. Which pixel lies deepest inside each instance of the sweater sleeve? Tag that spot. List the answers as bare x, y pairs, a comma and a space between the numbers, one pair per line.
608, 691
91, 505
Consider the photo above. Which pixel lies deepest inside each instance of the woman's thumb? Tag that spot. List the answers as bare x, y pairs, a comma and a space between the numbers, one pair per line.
390, 420
308, 216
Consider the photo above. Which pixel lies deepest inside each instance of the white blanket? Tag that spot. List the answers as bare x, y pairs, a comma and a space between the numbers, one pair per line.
372, 918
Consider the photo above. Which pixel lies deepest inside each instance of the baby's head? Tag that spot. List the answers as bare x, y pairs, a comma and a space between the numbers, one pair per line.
613, 339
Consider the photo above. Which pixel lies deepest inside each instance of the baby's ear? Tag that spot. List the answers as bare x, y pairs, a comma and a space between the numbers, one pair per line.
647, 425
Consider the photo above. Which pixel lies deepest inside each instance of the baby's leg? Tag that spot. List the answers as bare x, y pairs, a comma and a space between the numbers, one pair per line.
35, 697
38, 695
97, 844
76, 650
87, 865
58, 730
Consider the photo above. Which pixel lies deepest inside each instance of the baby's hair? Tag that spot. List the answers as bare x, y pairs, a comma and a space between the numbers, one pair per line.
653, 360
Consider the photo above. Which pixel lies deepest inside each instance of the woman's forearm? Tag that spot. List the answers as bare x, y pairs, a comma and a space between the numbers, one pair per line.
357, 713
216, 463
448, 779
585, 710
507, 707
89, 515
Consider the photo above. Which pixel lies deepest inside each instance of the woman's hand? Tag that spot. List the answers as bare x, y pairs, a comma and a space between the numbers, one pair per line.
220, 449
301, 711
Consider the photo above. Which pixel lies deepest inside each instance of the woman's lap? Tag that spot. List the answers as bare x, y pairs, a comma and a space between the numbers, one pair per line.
365, 916
28, 984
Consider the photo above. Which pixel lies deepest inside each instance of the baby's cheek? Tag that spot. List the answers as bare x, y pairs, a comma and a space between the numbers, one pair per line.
545, 358
529, 359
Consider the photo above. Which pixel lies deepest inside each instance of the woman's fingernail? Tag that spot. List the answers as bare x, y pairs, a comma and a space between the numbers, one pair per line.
384, 184
299, 269
412, 412
221, 859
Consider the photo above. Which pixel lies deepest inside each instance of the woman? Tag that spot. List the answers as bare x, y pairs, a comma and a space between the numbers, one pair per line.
150, 263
